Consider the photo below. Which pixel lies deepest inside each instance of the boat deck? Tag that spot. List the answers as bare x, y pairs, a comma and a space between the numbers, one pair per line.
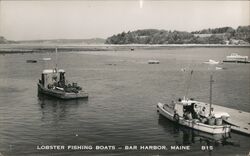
239, 118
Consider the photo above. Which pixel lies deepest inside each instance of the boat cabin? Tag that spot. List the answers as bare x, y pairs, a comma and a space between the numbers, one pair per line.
191, 108
52, 77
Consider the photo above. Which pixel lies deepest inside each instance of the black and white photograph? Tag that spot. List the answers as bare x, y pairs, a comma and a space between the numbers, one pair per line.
124, 78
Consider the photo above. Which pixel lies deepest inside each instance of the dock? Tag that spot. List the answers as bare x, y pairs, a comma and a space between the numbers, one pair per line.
227, 61
239, 120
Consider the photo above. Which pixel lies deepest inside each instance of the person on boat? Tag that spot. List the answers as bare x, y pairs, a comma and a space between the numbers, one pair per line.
202, 112
193, 111
179, 100
172, 104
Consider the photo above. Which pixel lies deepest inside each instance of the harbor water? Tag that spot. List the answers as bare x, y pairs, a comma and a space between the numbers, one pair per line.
123, 93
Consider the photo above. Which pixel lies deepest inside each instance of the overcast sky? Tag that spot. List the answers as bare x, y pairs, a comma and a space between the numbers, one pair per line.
27, 20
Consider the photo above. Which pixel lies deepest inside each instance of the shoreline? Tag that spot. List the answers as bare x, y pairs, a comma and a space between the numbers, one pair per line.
38, 48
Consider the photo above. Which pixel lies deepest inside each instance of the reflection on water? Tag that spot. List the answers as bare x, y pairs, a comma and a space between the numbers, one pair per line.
44, 99
188, 136
58, 107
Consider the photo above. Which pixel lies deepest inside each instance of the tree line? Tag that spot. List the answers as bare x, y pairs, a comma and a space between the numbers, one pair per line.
205, 36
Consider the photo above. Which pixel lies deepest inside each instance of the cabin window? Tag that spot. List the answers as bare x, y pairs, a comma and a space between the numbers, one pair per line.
62, 79
42, 79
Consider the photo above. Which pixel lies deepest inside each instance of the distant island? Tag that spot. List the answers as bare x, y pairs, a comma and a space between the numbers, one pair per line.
5, 41
223, 35
55, 41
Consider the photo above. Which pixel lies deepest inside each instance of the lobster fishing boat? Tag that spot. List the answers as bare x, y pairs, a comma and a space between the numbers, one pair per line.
53, 83
192, 114
196, 115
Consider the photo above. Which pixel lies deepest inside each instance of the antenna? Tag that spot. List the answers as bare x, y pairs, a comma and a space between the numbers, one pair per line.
56, 59
188, 85
45, 60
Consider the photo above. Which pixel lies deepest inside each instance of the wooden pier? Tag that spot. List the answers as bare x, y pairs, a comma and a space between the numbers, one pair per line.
239, 120
226, 61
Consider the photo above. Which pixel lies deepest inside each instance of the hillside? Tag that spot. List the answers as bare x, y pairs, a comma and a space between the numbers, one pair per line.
223, 35
66, 41
5, 41
56, 41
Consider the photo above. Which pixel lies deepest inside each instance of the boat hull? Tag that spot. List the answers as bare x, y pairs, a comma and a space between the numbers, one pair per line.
153, 62
61, 94
212, 129
31, 61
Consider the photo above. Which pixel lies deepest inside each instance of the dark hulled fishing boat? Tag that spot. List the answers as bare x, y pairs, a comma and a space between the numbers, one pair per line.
53, 83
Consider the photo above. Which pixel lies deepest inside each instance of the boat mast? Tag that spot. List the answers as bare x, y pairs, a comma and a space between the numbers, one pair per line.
56, 60
210, 95
188, 85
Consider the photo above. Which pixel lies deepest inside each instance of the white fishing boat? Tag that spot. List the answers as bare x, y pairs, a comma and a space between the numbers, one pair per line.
212, 62
46, 59
178, 113
218, 68
196, 115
